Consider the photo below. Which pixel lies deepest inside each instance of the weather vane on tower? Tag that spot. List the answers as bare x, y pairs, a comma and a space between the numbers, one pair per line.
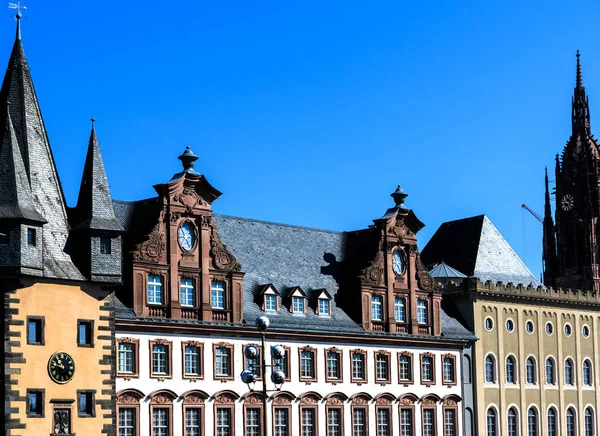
18, 7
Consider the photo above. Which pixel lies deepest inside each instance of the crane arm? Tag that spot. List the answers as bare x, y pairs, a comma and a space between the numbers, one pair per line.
532, 212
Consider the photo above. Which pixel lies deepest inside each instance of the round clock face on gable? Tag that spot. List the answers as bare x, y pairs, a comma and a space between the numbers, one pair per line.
61, 367
398, 262
186, 236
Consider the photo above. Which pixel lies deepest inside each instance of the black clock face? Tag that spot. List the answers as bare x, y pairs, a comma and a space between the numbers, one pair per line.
61, 367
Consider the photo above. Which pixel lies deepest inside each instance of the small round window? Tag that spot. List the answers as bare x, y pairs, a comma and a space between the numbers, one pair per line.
489, 324
568, 330
549, 328
529, 326
510, 325
585, 331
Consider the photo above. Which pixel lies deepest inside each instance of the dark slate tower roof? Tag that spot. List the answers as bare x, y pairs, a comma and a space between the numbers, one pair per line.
17, 201
94, 206
445, 271
476, 248
30, 133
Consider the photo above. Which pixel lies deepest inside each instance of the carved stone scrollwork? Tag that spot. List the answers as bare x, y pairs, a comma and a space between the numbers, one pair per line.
373, 275
193, 399
174, 217
127, 399
162, 398
282, 400
428, 402
449, 402
384, 401
189, 198
206, 221
253, 399
221, 256
225, 398
335, 401
161, 341
153, 248
425, 281
406, 401
360, 401
309, 399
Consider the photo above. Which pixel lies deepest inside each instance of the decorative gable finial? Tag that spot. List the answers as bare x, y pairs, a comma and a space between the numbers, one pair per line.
19, 14
399, 196
188, 158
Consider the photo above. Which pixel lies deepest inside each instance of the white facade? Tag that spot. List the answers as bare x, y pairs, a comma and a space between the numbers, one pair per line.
394, 394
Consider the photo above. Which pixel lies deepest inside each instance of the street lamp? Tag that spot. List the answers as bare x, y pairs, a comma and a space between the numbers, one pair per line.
277, 376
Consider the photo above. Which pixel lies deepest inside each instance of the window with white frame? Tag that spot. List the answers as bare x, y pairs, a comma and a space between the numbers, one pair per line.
449, 422
192, 360
334, 422
399, 309
405, 371
427, 368
223, 419
160, 359
193, 421
428, 422
186, 292
155, 290
490, 369
309, 422
126, 357
448, 369
588, 422
570, 421
160, 421
333, 365
421, 312
282, 424
511, 422
298, 305
253, 364
383, 422
358, 366
382, 367
217, 294
532, 429
307, 364
252, 422
510, 370
587, 373
359, 421
406, 422
569, 372
324, 308
127, 423
376, 308
491, 425
223, 362
270, 303
552, 427
550, 373
530, 370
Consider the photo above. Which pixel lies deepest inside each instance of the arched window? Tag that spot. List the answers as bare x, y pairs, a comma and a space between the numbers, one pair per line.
569, 379
570, 421
510, 370
532, 422
552, 426
588, 422
587, 373
491, 423
490, 369
511, 422
550, 378
530, 370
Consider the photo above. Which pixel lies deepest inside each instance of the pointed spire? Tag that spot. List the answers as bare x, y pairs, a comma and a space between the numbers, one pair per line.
547, 207
94, 208
549, 257
18, 26
580, 115
17, 200
579, 80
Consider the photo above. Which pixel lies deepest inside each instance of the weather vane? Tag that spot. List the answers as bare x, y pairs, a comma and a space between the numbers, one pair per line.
18, 7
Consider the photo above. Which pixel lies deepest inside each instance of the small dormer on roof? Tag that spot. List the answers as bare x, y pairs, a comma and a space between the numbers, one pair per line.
297, 301
269, 298
322, 301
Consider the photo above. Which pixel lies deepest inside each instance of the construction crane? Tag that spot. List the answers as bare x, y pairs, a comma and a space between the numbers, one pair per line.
532, 212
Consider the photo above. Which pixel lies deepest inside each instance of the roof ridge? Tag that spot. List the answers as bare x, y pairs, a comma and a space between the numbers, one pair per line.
281, 224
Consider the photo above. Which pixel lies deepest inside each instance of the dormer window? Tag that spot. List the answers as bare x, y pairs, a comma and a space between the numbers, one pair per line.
324, 307
105, 246
298, 305
270, 303
217, 298
31, 237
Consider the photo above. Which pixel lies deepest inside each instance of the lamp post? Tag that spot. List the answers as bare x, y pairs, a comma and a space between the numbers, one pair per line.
277, 376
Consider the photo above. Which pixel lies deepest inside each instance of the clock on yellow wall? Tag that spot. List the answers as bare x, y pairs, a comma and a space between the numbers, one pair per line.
61, 367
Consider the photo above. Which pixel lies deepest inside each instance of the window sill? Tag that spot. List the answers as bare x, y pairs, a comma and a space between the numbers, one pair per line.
85, 345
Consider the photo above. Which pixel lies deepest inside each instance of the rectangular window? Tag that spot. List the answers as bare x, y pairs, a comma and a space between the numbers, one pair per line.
127, 421
450, 422
309, 422
186, 292
324, 307
383, 367
376, 308
254, 365
333, 365
428, 422
399, 310
334, 422
192, 360
35, 330
271, 303
427, 368
405, 371
126, 357
358, 366
31, 237
223, 421
422, 312
307, 364
449, 370
155, 290
160, 421
217, 299
85, 333
193, 421
160, 359
35, 403
281, 421
406, 422
252, 422
283, 364
223, 362
383, 422
105, 247
359, 422
298, 305
85, 404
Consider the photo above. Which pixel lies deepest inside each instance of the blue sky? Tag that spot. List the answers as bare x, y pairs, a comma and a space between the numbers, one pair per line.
311, 112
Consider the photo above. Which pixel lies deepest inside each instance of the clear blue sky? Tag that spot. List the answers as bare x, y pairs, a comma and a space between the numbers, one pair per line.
311, 112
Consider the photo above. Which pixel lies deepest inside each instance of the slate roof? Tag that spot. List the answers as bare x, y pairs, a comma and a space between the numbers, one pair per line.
286, 257
476, 248
94, 208
30, 133
444, 271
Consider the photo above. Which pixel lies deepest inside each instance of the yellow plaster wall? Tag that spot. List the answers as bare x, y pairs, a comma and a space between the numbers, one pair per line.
521, 344
62, 306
